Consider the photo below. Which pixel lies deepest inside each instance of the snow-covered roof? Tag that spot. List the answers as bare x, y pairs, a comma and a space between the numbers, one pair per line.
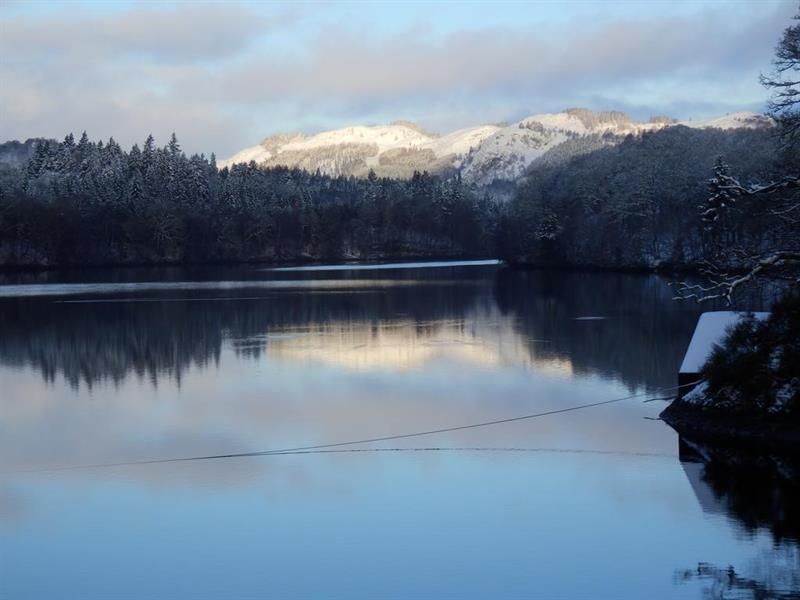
711, 328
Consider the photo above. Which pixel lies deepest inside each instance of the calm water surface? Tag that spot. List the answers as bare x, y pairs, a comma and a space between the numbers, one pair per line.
136, 365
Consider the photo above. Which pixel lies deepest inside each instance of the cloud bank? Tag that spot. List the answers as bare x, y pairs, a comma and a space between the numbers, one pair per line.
225, 75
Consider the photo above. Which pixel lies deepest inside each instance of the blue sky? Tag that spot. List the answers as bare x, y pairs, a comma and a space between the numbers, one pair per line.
223, 76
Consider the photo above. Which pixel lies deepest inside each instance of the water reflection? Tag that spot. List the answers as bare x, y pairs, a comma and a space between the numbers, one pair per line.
757, 492
249, 372
569, 505
776, 578
500, 317
482, 339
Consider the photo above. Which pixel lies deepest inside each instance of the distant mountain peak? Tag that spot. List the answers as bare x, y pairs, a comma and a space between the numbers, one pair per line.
594, 120
415, 126
744, 119
481, 154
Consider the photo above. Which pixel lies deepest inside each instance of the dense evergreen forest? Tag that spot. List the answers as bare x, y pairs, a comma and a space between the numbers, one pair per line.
80, 203
636, 204
631, 204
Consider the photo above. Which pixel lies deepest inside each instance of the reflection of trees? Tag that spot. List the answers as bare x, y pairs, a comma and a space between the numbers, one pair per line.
727, 583
108, 340
758, 491
641, 342
98, 341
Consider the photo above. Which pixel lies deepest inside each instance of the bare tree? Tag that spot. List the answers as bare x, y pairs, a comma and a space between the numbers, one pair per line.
784, 81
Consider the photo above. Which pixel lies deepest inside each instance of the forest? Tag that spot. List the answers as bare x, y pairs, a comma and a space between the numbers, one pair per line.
84, 203
636, 204
632, 205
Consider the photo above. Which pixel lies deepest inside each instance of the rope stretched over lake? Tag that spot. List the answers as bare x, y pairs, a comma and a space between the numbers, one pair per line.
386, 438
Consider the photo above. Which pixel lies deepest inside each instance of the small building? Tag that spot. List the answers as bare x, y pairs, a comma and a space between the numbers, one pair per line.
711, 328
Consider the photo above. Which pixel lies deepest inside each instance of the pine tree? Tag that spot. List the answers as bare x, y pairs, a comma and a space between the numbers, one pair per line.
173, 146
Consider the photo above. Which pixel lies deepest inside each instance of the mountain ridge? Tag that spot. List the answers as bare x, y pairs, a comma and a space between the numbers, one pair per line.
481, 154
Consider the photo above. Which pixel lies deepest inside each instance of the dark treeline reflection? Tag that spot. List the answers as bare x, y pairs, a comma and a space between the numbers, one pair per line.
615, 324
773, 581
760, 491
640, 338
757, 492
95, 339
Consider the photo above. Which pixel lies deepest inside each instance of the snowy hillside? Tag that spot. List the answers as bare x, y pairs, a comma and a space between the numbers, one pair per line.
737, 120
482, 154
395, 150
508, 152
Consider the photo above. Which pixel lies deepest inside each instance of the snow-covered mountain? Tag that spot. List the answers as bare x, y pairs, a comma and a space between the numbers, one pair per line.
394, 150
482, 154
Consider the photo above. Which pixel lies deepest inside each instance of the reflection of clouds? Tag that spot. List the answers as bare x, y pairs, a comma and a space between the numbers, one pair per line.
248, 405
486, 339
300, 369
510, 319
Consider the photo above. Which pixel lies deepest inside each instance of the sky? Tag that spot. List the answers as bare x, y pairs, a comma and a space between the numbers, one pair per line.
223, 76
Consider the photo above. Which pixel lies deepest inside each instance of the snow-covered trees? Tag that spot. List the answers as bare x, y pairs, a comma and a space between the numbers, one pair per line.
753, 228
736, 260
628, 205
756, 367
85, 202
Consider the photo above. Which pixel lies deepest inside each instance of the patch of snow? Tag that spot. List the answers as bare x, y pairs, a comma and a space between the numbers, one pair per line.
433, 264
775, 358
508, 152
737, 120
561, 120
256, 153
462, 141
711, 328
697, 395
385, 137
784, 394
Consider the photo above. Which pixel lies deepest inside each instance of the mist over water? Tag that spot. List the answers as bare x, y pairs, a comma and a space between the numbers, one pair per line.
136, 365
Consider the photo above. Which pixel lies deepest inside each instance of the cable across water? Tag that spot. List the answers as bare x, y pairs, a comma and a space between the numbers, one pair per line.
370, 440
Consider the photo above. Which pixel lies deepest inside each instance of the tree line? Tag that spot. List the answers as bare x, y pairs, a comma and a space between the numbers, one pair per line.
83, 202
632, 204
635, 204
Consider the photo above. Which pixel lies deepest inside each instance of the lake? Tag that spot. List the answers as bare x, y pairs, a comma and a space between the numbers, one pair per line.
110, 366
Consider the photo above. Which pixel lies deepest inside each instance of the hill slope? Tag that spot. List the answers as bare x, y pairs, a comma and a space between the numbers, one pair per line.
481, 154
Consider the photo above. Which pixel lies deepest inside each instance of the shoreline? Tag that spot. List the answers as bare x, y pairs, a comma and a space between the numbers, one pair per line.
664, 270
746, 431
292, 262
